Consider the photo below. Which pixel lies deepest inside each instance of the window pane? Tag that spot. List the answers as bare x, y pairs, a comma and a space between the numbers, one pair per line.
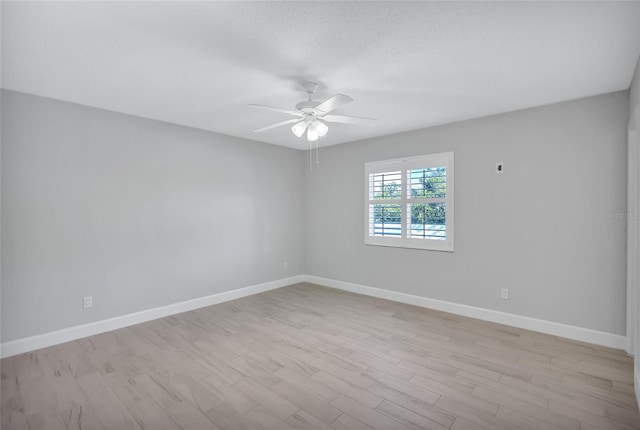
385, 185
385, 220
430, 182
428, 221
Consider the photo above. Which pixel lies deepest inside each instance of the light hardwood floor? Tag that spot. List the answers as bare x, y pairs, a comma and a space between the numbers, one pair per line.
308, 357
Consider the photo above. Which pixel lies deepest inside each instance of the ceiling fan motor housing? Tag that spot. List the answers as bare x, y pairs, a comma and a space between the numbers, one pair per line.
307, 106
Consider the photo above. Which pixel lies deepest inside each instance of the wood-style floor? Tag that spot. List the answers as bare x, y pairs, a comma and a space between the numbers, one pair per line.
308, 357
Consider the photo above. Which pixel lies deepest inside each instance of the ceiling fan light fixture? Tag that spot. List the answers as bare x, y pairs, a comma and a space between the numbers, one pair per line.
299, 128
321, 128
312, 132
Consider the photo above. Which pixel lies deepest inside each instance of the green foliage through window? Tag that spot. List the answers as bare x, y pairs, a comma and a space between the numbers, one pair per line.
386, 185
430, 183
428, 213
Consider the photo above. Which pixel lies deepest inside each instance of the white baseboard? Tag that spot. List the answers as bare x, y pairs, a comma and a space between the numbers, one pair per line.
18, 346
542, 326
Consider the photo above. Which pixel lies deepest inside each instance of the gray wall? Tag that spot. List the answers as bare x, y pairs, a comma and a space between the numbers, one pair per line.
134, 212
540, 229
140, 214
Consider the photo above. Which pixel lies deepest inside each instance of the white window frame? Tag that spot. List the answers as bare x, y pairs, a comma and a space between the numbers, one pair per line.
405, 165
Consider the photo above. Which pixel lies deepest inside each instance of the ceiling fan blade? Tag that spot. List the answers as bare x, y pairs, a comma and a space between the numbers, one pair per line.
350, 119
333, 103
290, 112
269, 127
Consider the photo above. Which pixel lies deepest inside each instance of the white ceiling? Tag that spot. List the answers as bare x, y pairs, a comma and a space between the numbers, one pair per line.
411, 65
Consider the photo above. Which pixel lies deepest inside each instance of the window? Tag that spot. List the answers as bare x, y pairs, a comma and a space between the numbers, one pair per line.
409, 202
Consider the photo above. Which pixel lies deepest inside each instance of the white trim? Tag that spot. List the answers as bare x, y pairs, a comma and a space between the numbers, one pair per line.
18, 346
632, 230
633, 317
542, 326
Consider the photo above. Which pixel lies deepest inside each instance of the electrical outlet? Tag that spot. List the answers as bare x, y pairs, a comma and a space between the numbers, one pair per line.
285, 265
87, 302
499, 167
504, 293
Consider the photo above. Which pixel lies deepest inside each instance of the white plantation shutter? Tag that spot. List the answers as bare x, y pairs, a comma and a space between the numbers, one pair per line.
409, 202
385, 195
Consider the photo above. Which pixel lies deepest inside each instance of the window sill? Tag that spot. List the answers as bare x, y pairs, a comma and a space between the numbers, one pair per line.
405, 245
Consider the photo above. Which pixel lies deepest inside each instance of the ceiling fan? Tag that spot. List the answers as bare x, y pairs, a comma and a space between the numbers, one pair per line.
312, 116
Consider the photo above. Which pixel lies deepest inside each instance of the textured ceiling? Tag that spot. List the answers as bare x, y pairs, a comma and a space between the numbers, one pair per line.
411, 65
